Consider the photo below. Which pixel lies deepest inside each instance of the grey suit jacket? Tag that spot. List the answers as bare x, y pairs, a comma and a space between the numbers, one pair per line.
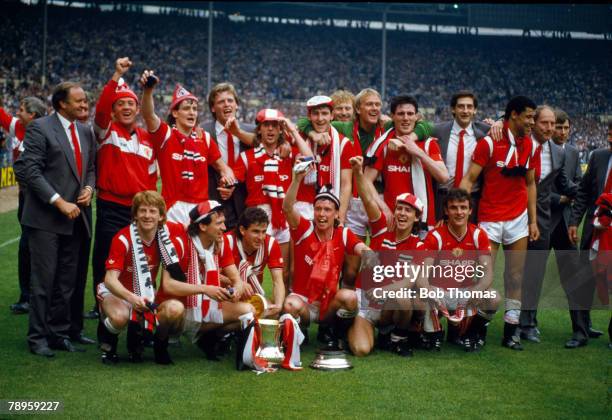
561, 212
47, 166
234, 206
557, 178
591, 187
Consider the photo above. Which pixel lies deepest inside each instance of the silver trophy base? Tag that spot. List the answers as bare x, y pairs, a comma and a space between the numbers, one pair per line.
331, 360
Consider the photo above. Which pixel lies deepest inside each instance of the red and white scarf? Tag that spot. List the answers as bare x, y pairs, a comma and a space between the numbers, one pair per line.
272, 187
142, 282
248, 271
203, 269
420, 186
291, 337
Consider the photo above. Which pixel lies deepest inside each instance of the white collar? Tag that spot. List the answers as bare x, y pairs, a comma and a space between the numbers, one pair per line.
65, 123
457, 129
219, 128
544, 145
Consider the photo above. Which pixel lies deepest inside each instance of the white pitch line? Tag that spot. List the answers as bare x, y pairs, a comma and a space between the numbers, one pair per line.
11, 241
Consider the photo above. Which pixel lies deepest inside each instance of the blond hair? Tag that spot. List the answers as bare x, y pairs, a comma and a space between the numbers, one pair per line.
149, 198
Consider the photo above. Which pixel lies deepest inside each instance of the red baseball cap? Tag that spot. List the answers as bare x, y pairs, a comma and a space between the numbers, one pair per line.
410, 199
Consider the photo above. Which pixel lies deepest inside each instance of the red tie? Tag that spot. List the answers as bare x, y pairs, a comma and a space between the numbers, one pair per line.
459, 162
230, 149
77, 150
538, 162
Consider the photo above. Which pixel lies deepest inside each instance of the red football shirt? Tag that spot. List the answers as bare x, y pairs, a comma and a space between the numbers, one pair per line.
503, 197
272, 256
250, 170
125, 160
307, 193
395, 168
444, 245
383, 240
170, 143
306, 246
120, 258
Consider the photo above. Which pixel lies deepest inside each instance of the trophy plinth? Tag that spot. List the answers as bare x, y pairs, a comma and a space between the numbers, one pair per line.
331, 360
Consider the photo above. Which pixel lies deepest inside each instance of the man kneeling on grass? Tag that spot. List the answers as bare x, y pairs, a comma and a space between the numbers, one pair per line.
127, 295
213, 294
463, 295
320, 247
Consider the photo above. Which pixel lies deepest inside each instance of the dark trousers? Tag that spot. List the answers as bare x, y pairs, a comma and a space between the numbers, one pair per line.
110, 219
533, 277
575, 273
77, 302
23, 257
54, 272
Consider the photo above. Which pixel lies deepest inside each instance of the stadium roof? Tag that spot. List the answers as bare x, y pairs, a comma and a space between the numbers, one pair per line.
589, 18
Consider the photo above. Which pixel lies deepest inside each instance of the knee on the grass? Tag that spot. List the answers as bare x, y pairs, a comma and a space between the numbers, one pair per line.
360, 349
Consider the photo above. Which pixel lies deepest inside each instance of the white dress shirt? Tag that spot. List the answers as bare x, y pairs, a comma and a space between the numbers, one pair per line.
221, 136
66, 125
469, 144
545, 158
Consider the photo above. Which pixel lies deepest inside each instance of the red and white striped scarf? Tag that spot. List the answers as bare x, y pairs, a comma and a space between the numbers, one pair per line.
272, 187
203, 269
420, 187
248, 271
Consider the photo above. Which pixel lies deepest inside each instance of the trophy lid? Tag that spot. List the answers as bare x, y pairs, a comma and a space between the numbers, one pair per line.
259, 303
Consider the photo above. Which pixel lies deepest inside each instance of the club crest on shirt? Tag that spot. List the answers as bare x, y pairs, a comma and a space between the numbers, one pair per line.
403, 158
457, 252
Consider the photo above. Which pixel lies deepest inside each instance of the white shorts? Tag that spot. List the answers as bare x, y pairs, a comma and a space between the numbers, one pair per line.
282, 236
509, 231
356, 217
102, 292
179, 212
313, 308
191, 327
371, 315
305, 209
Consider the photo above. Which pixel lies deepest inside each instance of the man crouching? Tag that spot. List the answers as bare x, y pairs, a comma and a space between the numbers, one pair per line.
213, 291
127, 296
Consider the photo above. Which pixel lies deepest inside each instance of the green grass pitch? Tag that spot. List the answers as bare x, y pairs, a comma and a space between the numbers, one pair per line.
544, 381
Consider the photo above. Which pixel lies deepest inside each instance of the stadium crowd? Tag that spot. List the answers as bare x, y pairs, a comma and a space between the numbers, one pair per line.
300, 196
282, 65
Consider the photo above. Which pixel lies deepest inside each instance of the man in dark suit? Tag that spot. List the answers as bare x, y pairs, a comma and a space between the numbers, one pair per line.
596, 180
223, 103
57, 167
457, 140
561, 208
548, 160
